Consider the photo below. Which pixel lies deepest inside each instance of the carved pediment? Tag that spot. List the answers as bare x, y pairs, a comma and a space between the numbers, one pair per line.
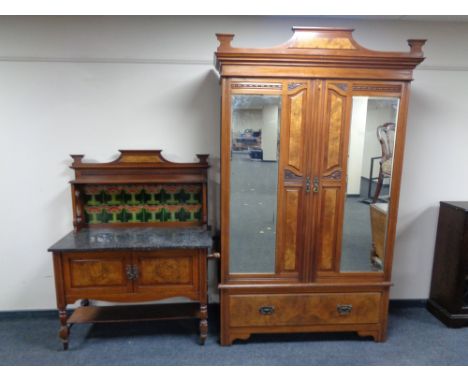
323, 47
138, 159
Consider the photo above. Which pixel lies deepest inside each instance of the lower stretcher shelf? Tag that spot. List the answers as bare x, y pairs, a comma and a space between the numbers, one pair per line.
129, 313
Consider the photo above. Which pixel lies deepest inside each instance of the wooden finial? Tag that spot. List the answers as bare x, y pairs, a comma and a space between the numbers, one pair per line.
203, 158
416, 45
76, 159
224, 40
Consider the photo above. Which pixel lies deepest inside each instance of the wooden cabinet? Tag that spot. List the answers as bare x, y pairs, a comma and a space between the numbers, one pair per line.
140, 235
133, 275
448, 299
299, 130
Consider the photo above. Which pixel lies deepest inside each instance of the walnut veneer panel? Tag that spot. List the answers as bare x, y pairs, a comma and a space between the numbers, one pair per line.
328, 227
290, 228
334, 131
296, 131
165, 270
95, 270
303, 309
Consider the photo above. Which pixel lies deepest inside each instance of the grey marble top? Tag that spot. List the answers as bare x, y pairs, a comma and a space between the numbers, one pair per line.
133, 238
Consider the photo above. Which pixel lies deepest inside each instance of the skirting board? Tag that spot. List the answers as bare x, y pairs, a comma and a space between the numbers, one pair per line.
213, 310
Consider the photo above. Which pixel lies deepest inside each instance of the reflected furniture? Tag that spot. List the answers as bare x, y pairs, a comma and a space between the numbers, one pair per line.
378, 217
448, 298
140, 235
386, 136
282, 220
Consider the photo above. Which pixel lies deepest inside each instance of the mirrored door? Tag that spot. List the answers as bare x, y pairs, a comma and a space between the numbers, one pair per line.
354, 176
373, 129
255, 130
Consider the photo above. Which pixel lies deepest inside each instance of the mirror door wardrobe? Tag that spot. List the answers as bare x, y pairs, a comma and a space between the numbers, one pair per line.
311, 159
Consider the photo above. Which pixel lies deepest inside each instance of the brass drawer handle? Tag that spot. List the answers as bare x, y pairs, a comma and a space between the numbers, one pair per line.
267, 310
343, 309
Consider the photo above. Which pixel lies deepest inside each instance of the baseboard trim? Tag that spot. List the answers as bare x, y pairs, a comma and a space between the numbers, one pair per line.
411, 303
213, 310
21, 314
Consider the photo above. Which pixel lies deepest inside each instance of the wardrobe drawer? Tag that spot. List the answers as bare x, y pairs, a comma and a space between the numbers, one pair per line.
304, 309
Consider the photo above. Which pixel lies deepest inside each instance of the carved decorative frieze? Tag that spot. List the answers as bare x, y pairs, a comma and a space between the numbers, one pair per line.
255, 85
335, 175
294, 85
342, 86
378, 88
289, 175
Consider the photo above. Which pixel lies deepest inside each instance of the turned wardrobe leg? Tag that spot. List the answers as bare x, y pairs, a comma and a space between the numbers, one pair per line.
64, 331
203, 323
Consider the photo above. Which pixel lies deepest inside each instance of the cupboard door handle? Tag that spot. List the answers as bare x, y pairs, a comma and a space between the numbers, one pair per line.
316, 184
132, 272
267, 310
135, 272
128, 272
344, 310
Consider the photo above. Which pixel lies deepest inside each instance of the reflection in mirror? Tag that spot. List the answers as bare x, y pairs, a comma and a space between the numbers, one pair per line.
255, 126
370, 163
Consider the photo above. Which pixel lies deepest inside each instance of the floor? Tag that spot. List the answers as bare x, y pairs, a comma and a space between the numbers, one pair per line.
415, 337
357, 237
253, 214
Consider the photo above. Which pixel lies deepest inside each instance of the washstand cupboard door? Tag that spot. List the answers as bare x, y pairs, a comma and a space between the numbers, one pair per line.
96, 273
168, 273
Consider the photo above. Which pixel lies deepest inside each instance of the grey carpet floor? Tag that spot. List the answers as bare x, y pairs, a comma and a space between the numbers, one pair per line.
415, 338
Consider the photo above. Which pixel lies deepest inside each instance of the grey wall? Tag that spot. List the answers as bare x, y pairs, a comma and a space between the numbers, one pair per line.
94, 85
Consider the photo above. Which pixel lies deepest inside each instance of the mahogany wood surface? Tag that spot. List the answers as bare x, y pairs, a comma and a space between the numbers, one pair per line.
317, 73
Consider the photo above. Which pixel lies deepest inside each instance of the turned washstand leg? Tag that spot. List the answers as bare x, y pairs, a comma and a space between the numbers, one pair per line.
203, 323
64, 331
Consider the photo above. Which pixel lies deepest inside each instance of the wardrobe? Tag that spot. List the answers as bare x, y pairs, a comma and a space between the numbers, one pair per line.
303, 246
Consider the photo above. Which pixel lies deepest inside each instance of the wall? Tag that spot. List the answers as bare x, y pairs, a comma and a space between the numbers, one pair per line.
356, 145
270, 121
94, 85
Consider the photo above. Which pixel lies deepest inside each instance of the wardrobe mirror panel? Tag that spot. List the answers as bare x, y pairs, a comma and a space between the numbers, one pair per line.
369, 175
255, 127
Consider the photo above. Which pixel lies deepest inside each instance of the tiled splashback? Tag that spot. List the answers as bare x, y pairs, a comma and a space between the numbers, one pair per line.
142, 203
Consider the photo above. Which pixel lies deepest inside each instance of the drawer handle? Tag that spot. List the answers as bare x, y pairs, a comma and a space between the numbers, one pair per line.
344, 310
267, 310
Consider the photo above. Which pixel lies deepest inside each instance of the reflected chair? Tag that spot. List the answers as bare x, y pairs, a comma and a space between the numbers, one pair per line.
386, 137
